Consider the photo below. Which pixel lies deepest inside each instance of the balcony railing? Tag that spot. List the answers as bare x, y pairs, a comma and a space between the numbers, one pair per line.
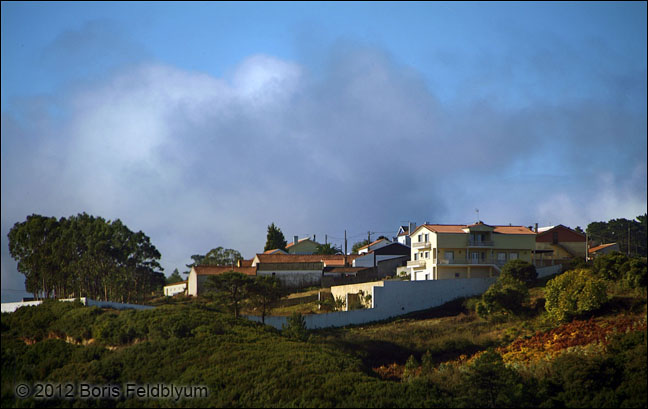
421, 245
486, 261
416, 263
480, 243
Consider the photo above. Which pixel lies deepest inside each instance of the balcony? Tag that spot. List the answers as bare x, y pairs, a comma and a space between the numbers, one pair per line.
416, 264
486, 261
480, 243
421, 245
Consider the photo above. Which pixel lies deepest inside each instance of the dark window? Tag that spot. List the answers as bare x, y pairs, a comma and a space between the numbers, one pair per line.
555, 237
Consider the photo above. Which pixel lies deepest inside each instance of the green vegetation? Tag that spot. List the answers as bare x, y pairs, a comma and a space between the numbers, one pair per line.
574, 293
85, 256
630, 235
327, 248
275, 239
519, 270
174, 278
444, 357
216, 257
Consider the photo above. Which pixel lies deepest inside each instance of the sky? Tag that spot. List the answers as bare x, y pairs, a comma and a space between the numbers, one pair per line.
200, 124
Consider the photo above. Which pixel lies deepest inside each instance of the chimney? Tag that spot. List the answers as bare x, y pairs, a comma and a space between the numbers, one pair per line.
314, 237
536, 227
295, 239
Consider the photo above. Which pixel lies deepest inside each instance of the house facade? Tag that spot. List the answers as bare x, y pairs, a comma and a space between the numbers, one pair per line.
175, 288
302, 246
441, 251
558, 244
199, 275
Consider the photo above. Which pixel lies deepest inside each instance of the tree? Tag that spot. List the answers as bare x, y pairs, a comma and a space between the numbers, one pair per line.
174, 278
264, 291
232, 288
489, 383
296, 327
327, 248
221, 257
610, 266
574, 293
275, 239
630, 235
520, 270
87, 256
506, 295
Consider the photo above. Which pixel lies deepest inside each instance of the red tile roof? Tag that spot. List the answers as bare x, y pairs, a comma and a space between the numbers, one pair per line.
216, 270
458, 228
371, 244
246, 263
303, 258
602, 246
299, 241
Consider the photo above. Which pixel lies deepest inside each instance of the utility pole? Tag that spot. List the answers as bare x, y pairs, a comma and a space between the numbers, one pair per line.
345, 249
368, 239
325, 239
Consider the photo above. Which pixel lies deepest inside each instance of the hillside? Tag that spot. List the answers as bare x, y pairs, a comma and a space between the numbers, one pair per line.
434, 358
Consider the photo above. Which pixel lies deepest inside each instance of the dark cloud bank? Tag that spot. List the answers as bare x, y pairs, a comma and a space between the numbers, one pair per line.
198, 162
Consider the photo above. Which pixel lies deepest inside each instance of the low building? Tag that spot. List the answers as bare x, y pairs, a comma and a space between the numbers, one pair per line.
175, 288
558, 245
602, 249
442, 251
199, 275
298, 270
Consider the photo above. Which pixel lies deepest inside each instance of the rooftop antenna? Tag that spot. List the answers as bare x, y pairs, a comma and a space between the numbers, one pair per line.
477, 211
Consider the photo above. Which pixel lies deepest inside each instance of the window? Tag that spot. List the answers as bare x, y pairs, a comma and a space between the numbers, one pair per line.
501, 257
415, 256
433, 253
427, 237
427, 254
513, 256
555, 237
427, 276
449, 255
456, 275
420, 236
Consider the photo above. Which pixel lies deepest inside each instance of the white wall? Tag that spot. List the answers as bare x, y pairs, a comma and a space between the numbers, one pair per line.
173, 289
13, 306
392, 299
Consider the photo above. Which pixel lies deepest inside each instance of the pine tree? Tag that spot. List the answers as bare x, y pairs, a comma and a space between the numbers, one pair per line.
275, 239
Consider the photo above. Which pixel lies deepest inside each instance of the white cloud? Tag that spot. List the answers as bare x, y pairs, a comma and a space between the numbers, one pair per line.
197, 161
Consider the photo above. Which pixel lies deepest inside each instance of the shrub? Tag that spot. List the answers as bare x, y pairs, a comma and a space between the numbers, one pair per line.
505, 296
296, 328
610, 266
574, 293
519, 270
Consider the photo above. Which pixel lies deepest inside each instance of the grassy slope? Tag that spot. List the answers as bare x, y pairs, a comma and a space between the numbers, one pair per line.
246, 364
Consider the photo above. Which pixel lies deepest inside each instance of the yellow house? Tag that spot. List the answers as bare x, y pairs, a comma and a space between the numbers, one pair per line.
442, 251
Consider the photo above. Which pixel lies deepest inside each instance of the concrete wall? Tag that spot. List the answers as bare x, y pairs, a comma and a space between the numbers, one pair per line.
13, 306
341, 291
392, 299
547, 271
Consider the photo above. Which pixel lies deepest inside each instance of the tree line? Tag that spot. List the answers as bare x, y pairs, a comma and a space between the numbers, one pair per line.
630, 235
85, 256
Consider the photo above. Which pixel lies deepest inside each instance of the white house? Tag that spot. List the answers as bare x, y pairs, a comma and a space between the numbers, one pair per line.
175, 288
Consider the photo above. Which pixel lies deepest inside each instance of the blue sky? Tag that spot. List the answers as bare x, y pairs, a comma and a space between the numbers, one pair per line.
202, 123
